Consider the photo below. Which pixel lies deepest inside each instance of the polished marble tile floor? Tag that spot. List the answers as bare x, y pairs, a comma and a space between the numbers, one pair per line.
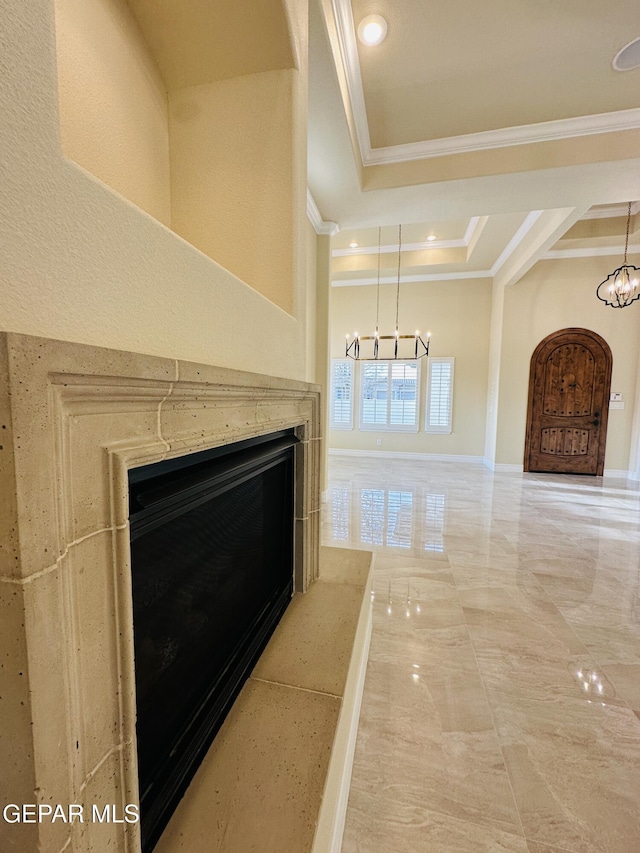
501, 708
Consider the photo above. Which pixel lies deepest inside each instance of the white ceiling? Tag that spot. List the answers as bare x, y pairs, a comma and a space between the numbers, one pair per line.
371, 128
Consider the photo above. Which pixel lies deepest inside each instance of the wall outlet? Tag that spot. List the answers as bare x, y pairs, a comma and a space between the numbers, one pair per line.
378, 441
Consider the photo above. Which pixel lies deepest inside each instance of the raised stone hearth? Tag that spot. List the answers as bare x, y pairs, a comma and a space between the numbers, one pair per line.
73, 420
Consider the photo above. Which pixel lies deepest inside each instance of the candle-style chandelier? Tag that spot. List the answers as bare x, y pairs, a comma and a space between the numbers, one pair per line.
373, 345
622, 287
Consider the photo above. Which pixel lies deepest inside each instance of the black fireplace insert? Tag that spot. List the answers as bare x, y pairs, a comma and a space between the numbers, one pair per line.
212, 573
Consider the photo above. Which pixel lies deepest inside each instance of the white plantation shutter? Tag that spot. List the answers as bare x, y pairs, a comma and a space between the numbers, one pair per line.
389, 395
342, 393
439, 395
374, 392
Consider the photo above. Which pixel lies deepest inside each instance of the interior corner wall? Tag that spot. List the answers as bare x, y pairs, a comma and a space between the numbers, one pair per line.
553, 295
232, 188
493, 379
113, 102
322, 337
458, 314
81, 263
311, 316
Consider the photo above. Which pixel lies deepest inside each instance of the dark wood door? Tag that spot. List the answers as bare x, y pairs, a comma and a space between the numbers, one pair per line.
569, 387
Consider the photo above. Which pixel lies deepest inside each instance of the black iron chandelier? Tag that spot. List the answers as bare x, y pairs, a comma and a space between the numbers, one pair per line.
373, 342
622, 287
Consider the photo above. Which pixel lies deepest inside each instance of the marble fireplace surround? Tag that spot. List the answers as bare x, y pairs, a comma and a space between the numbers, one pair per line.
73, 420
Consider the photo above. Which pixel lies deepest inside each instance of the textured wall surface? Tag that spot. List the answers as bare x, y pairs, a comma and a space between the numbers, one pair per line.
113, 102
80, 263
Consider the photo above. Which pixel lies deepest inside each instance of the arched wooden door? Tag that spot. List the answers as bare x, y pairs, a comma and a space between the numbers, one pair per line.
569, 385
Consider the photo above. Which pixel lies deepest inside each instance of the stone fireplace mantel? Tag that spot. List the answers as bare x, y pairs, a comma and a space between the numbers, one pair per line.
73, 420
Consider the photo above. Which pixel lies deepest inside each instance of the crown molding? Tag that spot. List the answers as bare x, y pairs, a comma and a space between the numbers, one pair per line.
461, 243
526, 226
472, 227
527, 134
348, 53
413, 279
319, 224
547, 131
589, 252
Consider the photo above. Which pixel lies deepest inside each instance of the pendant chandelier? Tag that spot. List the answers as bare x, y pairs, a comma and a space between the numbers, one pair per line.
622, 287
420, 348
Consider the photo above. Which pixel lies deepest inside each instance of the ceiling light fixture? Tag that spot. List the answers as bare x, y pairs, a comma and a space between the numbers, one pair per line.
628, 57
372, 29
420, 348
353, 245
431, 237
621, 287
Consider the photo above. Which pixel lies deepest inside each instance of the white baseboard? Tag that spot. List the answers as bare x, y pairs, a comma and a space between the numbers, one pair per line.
397, 454
506, 467
619, 474
502, 466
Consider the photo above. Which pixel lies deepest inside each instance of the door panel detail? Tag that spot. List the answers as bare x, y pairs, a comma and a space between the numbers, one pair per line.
569, 384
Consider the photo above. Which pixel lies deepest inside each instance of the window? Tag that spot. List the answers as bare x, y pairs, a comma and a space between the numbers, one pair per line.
342, 393
389, 395
439, 395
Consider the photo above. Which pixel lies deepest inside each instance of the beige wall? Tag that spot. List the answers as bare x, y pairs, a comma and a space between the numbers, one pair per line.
555, 295
458, 315
493, 380
113, 102
322, 340
231, 185
312, 300
220, 161
80, 263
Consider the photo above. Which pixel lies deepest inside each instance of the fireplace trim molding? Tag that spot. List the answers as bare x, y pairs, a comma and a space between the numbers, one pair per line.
77, 419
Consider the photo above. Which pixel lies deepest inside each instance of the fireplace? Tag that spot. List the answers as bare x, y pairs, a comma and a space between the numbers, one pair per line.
80, 420
212, 573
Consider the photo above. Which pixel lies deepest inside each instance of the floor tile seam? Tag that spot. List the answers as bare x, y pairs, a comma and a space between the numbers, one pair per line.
427, 809
559, 613
296, 687
493, 721
552, 847
497, 736
525, 705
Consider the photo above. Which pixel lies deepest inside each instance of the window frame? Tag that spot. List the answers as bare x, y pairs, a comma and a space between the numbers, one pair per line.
439, 429
388, 426
332, 422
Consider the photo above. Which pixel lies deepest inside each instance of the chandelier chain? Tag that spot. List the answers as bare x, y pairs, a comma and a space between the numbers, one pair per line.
626, 241
398, 285
378, 292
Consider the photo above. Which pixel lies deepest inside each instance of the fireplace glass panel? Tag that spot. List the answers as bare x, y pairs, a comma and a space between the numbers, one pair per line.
212, 569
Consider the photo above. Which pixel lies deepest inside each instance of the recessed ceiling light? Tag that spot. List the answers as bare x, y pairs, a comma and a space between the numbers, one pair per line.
431, 237
372, 29
353, 245
628, 57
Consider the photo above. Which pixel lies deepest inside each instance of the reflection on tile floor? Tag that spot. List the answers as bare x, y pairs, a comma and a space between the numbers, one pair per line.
501, 709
